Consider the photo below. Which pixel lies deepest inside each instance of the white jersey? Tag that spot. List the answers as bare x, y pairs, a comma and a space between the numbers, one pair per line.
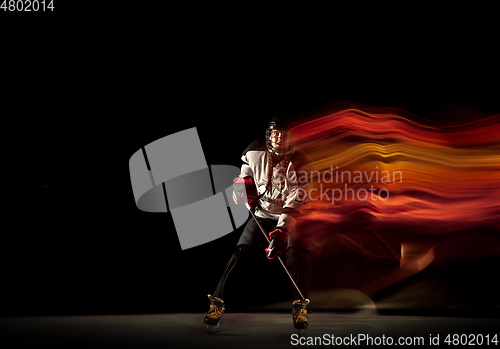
285, 196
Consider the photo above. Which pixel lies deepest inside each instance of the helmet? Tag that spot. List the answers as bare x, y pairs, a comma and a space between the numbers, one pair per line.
278, 138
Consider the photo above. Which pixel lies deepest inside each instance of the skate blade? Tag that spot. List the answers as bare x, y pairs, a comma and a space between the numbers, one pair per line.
212, 328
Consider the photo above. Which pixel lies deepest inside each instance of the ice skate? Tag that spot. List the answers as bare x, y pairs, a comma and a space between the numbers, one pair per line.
299, 312
214, 314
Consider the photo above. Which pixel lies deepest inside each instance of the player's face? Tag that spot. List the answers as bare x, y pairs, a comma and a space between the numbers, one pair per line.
276, 138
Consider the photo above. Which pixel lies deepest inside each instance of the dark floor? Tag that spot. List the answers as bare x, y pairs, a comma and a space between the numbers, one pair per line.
238, 330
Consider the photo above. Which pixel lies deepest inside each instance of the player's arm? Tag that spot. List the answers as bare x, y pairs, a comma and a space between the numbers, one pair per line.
244, 188
292, 207
287, 220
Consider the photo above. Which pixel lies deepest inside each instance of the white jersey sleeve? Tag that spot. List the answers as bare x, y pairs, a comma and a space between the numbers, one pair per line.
246, 170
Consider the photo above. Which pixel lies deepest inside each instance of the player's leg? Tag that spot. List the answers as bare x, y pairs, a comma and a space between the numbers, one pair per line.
299, 263
250, 239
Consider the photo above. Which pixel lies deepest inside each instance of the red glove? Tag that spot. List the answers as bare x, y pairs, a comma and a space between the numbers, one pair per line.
244, 190
278, 244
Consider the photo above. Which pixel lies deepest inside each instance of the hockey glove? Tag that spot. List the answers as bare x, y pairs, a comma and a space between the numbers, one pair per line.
278, 244
244, 190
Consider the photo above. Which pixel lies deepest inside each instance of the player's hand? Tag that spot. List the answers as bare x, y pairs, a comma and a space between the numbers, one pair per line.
278, 244
244, 190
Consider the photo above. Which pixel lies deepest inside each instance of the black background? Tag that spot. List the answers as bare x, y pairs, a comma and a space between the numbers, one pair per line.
85, 89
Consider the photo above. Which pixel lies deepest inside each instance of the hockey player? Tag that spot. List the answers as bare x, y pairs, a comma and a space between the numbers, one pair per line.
268, 181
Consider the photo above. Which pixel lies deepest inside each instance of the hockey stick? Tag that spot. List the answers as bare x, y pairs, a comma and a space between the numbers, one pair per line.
279, 257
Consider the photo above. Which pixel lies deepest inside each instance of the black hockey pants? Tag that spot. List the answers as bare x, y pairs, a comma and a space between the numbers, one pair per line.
297, 258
